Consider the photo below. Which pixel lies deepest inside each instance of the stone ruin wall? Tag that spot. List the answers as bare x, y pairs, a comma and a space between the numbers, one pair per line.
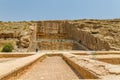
51, 30
55, 46
58, 30
66, 30
55, 32
85, 38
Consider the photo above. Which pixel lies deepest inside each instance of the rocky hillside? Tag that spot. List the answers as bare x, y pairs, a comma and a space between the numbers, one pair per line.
19, 32
14, 26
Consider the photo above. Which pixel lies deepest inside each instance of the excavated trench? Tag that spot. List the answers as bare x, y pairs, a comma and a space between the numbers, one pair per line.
51, 68
48, 37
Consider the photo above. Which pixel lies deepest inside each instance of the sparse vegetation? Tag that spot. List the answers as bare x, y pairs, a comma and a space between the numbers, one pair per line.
8, 48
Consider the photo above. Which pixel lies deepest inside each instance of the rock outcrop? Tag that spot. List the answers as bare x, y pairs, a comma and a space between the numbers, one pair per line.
25, 41
95, 34
26, 37
16, 31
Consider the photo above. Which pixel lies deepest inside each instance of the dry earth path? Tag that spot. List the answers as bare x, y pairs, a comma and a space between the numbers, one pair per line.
51, 68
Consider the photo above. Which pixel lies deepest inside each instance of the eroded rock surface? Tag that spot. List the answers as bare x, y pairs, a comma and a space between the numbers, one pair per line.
93, 34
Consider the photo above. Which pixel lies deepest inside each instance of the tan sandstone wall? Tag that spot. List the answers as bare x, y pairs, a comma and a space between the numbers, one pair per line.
54, 32
86, 38
55, 46
66, 30
115, 61
51, 30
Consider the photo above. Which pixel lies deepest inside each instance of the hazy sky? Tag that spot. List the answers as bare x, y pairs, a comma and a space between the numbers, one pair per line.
14, 10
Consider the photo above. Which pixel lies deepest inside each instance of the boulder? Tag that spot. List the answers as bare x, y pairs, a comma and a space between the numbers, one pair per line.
25, 41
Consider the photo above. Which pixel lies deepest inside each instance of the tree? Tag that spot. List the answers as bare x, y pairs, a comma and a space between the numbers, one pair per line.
7, 48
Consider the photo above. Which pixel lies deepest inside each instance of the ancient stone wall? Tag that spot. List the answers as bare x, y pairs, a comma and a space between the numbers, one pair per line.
115, 61
66, 30
51, 30
55, 46
92, 34
51, 33
85, 38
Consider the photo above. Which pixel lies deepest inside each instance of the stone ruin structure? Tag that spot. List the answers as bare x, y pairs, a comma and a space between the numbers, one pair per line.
69, 35
73, 50
52, 35
65, 35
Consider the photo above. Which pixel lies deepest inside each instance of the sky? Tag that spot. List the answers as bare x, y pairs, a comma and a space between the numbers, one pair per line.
27, 10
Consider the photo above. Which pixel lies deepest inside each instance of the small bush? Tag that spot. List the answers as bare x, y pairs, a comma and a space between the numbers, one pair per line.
7, 48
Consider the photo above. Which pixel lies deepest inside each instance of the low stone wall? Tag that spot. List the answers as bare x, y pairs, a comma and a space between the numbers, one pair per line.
115, 61
11, 55
87, 67
95, 52
81, 70
93, 68
55, 46
107, 52
10, 69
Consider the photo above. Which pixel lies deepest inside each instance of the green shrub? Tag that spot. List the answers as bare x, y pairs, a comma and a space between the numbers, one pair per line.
7, 48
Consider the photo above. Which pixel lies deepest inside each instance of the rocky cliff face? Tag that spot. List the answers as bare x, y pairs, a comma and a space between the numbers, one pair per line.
50, 35
93, 34
97, 34
19, 32
51, 30
86, 38
26, 37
